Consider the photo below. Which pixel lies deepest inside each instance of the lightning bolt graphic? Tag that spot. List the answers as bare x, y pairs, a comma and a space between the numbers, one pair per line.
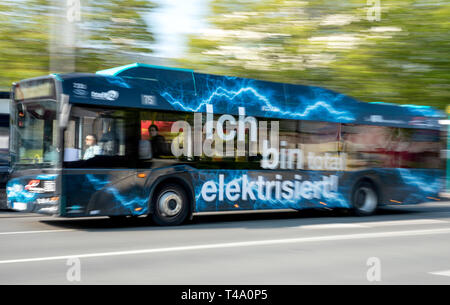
129, 203
256, 98
422, 182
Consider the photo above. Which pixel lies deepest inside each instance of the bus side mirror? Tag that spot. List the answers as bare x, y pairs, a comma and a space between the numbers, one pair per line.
64, 111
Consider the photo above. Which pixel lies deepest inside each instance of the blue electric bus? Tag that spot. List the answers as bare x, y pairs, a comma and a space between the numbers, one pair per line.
169, 143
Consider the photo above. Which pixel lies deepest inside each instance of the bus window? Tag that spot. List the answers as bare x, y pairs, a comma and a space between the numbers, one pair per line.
91, 133
418, 148
4, 139
156, 134
390, 147
368, 146
317, 139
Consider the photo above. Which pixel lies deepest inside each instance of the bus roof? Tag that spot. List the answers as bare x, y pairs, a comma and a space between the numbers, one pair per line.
164, 88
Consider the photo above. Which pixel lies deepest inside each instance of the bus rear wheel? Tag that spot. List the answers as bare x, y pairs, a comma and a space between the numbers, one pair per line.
364, 199
171, 206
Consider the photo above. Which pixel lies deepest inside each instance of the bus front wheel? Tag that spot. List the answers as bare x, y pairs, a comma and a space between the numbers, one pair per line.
171, 205
364, 199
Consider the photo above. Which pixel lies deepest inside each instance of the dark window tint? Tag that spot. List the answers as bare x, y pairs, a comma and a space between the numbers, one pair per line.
4, 139
390, 147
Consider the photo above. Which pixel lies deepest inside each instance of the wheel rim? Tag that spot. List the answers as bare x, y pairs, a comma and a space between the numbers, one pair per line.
366, 199
170, 204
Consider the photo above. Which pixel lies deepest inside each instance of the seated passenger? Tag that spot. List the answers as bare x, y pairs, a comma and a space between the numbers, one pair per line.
158, 143
93, 149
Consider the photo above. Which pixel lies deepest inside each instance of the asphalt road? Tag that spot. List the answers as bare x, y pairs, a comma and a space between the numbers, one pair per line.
399, 245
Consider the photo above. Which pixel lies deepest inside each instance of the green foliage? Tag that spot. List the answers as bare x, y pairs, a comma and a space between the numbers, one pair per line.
402, 58
109, 31
22, 53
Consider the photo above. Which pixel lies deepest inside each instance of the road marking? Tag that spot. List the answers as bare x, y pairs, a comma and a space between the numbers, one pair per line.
373, 224
236, 245
404, 222
333, 226
444, 273
34, 232
18, 215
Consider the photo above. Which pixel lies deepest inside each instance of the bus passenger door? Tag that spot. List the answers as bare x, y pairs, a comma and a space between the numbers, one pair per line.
99, 176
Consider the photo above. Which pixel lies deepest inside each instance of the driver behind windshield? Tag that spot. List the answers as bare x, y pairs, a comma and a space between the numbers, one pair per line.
93, 148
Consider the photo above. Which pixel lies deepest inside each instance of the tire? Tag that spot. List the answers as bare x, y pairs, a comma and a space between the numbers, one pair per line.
171, 205
364, 199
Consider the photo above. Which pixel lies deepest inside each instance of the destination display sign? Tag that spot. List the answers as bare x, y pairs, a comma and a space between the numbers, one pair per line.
34, 89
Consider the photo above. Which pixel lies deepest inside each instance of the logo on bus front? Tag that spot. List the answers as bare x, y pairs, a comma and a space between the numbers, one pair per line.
111, 95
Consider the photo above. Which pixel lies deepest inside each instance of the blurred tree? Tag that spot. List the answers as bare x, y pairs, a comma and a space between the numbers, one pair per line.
109, 32
402, 58
113, 31
23, 37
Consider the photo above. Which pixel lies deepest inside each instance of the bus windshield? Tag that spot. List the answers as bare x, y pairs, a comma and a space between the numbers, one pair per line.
35, 134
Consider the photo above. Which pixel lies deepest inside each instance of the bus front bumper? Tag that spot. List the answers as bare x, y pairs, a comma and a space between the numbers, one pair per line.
33, 194
43, 205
